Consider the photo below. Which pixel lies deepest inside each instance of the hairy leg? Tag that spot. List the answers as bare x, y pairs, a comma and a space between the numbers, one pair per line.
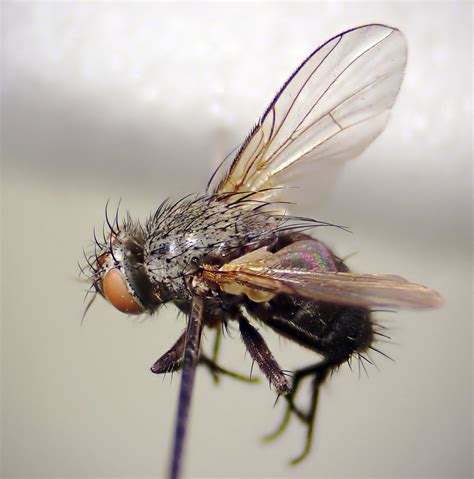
172, 361
261, 354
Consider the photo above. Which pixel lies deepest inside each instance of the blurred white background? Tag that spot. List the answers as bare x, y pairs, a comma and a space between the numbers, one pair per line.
140, 101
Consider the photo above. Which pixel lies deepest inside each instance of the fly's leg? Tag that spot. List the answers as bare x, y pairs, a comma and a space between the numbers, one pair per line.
172, 360
308, 417
261, 354
290, 407
215, 354
217, 370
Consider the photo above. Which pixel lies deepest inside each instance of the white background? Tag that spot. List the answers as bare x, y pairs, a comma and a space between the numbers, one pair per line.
140, 101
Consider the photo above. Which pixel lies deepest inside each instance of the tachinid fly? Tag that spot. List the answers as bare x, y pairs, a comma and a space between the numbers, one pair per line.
233, 255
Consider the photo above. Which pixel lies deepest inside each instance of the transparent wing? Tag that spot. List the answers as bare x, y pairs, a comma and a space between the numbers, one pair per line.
301, 269
334, 105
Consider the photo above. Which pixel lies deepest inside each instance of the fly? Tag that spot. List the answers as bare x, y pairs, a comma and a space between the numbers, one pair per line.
233, 255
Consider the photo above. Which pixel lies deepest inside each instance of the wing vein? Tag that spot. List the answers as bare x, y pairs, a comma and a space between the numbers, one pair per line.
284, 145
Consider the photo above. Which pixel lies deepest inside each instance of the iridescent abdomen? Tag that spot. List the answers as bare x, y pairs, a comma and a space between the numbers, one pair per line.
335, 331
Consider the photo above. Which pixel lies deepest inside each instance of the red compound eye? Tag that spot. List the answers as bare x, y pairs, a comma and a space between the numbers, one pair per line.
115, 290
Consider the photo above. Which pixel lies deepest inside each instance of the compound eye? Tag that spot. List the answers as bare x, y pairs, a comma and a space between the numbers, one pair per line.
115, 290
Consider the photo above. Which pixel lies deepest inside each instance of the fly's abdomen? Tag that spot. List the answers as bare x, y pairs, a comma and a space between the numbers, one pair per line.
333, 330
336, 332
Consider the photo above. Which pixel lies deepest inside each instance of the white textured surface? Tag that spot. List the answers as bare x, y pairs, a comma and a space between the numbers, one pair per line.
140, 101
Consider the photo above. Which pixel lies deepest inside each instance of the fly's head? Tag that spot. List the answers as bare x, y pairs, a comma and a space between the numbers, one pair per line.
117, 272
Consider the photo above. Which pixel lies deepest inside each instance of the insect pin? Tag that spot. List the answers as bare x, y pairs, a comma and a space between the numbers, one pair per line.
230, 255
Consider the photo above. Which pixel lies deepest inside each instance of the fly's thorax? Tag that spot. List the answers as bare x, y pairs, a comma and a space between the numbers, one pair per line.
183, 236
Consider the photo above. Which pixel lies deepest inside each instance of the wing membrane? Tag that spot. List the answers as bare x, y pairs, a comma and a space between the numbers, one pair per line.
334, 105
293, 270
381, 291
